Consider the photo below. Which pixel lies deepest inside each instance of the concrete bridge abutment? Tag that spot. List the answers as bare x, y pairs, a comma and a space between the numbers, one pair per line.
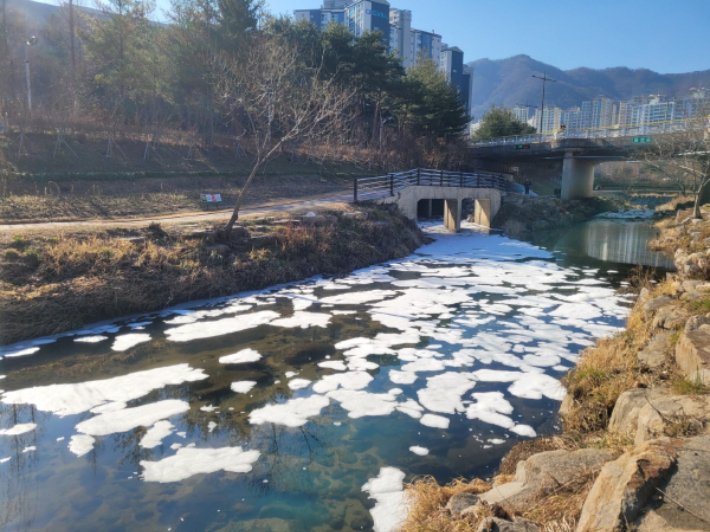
487, 203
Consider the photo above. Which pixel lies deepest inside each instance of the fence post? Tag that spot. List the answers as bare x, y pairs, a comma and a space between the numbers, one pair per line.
419, 176
391, 184
355, 190
441, 178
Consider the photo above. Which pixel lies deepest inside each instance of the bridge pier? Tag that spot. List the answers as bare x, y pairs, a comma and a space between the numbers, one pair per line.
577, 177
452, 218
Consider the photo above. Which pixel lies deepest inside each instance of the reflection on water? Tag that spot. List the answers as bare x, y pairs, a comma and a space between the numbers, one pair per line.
270, 411
613, 241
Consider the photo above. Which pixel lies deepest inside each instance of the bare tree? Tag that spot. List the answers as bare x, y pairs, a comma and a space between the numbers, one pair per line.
277, 97
683, 157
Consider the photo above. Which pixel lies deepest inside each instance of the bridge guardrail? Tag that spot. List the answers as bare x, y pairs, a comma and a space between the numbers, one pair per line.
600, 133
386, 185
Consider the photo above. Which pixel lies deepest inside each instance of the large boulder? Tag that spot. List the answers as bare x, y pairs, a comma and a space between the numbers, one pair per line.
648, 413
543, 473
656, 352
496, 524
692, 353
625, 486
653, 305
459, 502
682, 502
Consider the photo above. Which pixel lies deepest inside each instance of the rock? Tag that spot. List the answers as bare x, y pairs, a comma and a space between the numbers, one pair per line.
199, 233
314, 219
286, 221
647, 413
688, 487
357, 215
692, 353
625, 486
703, 287
656, 351
692, 296
496, 524
690, 286
459, 502
670, 318
544, 472
694, 322
644, 295
567, 404
652, 305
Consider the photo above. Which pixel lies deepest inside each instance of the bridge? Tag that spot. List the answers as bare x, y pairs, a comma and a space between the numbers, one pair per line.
580, 150
407, 189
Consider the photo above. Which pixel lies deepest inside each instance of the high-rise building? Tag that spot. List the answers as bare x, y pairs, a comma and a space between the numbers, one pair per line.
362, 16
521, 113
551, 119
696, 104
571, 118
451, 64
425, 45
401, 36
602, 113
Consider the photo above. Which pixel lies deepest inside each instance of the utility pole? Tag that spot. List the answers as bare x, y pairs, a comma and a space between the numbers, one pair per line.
544, 79
31, 41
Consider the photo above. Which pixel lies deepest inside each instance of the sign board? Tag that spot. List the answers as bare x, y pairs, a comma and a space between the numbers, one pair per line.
522, 146
641, 140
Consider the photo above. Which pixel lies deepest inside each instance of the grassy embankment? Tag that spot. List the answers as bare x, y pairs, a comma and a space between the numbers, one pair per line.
603, 373
40, 187
54, 282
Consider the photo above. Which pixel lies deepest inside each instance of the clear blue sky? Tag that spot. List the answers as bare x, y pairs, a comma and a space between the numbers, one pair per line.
667, 36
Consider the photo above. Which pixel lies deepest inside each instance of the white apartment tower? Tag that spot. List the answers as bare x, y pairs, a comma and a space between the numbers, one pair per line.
401, 36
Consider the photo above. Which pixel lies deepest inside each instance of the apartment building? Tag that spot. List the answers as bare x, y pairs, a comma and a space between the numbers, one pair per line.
401, 36
551, 119
452, 65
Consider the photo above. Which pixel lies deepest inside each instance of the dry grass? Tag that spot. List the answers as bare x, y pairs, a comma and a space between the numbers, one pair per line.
427, 512
54, 283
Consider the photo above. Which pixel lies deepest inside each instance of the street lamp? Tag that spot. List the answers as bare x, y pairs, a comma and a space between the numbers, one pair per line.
544, 79
31, 41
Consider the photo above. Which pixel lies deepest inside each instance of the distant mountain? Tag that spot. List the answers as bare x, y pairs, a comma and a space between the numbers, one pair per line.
509, 82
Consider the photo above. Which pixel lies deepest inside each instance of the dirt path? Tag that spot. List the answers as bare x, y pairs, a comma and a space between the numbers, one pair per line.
285, 206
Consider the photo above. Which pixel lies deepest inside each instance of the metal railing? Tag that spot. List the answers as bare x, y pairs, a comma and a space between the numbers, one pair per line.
653, 128
365, 188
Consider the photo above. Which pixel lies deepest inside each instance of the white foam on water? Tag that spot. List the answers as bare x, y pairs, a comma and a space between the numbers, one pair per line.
496, 441
359, 403
126, 341
81, 444
3, 460
108, 407
304, 320
241, 357
20, 352
189, 461
20, 428
211, 426
358, 298
29, 449
536, 386
352, 380
209, 329
421, 451
432, 420
290, 374
492, 408
70, 399
131, 418
208, 408
292, 413
91, 339
242, 386
387, 489
156, 434
411, 408
444, 392
524, 430
299, 384
402, 377
336, 365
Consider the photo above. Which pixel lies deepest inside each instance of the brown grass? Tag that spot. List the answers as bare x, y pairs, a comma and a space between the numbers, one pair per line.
427, 512
54, 283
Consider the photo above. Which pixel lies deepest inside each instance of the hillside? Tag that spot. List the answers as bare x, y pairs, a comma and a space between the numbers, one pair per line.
508, 82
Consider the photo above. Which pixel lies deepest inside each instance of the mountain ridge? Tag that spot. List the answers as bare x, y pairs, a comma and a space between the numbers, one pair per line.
508, 82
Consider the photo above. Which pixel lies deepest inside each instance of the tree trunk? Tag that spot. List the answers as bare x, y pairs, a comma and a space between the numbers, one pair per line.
701, 197
227, 231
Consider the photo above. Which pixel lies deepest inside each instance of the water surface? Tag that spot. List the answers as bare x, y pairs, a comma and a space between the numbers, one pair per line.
273, 410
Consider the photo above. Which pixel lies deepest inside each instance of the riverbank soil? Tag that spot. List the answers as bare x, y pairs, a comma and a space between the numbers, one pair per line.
52, 282
633, 453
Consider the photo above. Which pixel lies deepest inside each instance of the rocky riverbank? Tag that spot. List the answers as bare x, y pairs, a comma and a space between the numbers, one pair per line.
633, 453
52, 282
